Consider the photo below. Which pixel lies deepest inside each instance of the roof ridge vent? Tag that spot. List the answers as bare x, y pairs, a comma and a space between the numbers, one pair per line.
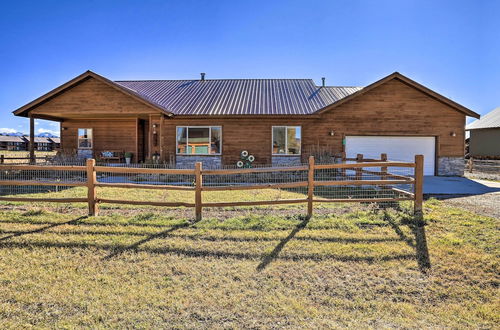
323, 81
202, 76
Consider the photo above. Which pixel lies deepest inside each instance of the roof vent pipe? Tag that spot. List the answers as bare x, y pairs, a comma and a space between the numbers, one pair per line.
202, 76
323, 83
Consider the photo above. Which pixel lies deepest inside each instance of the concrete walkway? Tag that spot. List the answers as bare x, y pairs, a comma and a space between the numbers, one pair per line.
440, 185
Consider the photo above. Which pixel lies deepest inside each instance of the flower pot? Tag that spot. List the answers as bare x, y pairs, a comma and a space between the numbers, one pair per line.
127, 160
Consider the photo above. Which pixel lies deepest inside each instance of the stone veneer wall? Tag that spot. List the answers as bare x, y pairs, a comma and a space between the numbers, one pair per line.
207, 161
451, 166
286, 160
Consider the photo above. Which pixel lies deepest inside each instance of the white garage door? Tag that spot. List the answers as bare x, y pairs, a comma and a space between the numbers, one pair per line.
400, 148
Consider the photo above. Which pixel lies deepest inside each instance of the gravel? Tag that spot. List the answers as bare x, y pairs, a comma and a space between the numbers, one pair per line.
486, 204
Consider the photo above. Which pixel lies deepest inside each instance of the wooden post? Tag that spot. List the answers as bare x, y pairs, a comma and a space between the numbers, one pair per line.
471, 164
359, 159
91, 188
343, 170
32, 140
383, 157
418, 185
2, 159
310, 187
197, 192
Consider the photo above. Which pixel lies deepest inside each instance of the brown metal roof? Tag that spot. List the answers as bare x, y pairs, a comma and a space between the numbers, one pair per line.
238, 96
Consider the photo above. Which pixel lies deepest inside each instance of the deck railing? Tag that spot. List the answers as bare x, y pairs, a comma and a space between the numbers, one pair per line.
362, 174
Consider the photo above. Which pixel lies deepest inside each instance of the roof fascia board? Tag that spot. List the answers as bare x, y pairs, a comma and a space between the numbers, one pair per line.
408, 81
22, 111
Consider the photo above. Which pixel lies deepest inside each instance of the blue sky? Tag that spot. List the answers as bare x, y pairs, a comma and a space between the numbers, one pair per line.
453, 47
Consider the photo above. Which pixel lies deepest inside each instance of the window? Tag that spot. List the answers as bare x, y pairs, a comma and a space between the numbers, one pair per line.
85, 138
198, 140
286, 140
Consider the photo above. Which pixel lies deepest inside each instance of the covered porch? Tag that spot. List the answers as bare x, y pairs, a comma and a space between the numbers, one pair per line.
108, 139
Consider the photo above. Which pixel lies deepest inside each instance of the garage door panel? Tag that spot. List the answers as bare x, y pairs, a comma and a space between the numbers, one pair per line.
399, 148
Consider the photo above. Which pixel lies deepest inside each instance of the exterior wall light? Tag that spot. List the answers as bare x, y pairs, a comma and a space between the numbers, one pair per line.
332, 133
453, 134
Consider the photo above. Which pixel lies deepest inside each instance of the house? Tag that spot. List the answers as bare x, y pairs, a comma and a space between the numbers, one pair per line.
13, 143
279, 121
55, 143
41, 143
484, 139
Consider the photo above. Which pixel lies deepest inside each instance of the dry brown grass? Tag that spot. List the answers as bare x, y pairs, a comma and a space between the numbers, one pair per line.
255, 268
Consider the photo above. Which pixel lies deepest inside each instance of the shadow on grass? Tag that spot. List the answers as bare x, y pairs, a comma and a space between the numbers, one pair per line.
275, 252
151, 237
39, 230
418, 242
265, 259
203, 253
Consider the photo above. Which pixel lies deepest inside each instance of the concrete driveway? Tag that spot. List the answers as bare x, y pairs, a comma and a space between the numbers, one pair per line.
441, 185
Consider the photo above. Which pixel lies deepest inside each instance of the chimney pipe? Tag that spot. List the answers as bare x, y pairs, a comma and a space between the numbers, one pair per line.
202, 76
323, 79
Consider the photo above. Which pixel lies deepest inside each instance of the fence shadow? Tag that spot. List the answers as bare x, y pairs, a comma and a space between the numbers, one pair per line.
417, 242
275, 252
151, 237
41, 229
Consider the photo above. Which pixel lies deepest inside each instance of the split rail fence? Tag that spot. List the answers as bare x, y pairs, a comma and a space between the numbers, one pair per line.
376, 170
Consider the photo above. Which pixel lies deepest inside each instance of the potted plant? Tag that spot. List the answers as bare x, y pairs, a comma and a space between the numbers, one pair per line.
128, 157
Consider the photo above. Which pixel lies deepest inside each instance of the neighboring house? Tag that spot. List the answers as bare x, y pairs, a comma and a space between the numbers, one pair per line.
279, 121
41, 143
14, 143
55, 143
484, 139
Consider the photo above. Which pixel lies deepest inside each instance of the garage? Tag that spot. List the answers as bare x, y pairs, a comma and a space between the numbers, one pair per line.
399, 148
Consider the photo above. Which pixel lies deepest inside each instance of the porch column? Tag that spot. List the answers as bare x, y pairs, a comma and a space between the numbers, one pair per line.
32, 140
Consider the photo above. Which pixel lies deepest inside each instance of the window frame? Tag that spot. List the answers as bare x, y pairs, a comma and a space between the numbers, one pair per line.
187, 140
91, 139
286, 140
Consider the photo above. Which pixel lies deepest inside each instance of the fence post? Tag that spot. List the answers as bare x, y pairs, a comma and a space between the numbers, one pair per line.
418, 185
91, 188
310, 187
343, 161
2, 159
197, 192
359, 159
471, 164
383, 157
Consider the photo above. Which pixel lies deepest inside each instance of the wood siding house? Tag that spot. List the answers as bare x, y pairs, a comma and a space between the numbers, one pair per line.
279, 121
12, 143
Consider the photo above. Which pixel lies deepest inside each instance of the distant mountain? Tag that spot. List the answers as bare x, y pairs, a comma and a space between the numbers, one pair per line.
13, 134
45, 135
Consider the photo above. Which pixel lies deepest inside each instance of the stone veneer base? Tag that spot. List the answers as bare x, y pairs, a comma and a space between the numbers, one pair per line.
451, 166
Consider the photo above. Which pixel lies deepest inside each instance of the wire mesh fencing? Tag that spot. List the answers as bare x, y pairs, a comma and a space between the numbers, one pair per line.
382, 183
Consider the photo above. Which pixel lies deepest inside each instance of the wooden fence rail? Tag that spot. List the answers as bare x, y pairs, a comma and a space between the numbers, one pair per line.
386, 179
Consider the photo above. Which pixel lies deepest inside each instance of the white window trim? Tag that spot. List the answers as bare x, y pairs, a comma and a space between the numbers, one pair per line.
286, 141
78, 139
187, 140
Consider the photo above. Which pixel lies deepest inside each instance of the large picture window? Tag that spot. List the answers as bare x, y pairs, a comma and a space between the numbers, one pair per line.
199, 140
286, 140
85, 138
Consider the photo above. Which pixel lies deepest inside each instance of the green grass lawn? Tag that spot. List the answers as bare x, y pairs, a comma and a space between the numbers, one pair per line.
247, 267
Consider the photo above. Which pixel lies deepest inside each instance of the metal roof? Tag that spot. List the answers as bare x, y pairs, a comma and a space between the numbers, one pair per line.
38, 139
238, 96
490, 120
11, 138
